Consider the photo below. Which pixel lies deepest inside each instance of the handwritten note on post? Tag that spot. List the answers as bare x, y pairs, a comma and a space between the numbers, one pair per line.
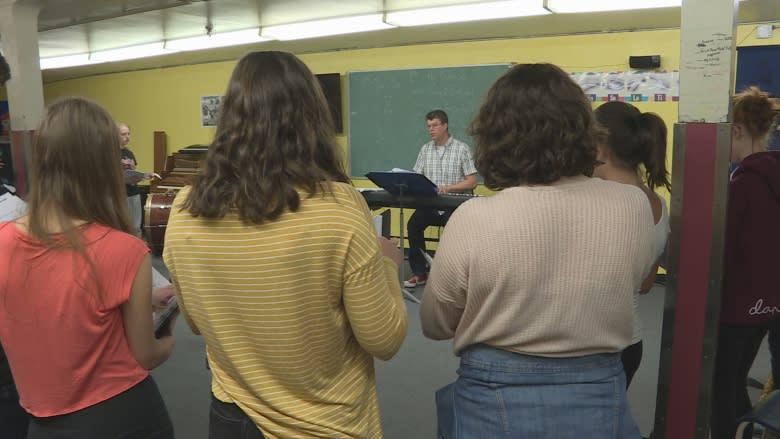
706, 60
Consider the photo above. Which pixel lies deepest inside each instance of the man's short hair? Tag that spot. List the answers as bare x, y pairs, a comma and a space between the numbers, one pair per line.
437, 114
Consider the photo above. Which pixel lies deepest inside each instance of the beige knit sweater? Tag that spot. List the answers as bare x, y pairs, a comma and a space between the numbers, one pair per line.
544, 270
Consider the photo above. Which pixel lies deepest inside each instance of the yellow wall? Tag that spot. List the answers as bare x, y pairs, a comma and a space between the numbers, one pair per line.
168, 99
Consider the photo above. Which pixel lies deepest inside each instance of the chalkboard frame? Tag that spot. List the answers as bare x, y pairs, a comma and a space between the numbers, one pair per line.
398, 139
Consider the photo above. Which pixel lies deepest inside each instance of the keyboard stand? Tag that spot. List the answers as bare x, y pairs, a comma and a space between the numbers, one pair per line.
409, 296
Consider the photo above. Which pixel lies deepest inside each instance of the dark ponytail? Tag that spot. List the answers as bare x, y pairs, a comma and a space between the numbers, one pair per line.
652, 132
636, 138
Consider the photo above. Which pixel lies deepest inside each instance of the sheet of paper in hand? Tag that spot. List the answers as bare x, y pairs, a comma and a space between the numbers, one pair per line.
11, 207
158, 280
160, 318
132, 175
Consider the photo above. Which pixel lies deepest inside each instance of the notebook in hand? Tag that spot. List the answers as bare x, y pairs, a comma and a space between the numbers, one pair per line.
410, 183
162, 319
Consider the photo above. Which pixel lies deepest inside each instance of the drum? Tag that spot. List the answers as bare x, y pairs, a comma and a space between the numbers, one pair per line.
156, 213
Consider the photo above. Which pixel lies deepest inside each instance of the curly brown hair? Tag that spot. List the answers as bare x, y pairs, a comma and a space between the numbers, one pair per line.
275, 135
534, 127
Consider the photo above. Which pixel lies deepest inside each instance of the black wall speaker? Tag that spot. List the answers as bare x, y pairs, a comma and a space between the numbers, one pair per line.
331, 88
644, 62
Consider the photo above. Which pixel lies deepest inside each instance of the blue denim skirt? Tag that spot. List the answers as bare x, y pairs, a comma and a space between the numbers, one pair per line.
501, 394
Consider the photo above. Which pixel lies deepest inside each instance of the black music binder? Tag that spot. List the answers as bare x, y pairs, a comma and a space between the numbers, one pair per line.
407, 183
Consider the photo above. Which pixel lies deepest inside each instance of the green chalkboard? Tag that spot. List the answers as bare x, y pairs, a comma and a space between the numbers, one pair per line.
387, 111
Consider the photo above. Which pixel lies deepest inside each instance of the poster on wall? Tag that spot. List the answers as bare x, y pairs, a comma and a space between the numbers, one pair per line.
209, 110
629, 86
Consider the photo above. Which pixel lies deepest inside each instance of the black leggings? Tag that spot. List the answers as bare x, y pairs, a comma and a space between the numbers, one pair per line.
737, 348
14, 421
137, 413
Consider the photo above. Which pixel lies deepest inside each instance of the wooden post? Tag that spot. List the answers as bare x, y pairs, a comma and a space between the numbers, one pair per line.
160, 151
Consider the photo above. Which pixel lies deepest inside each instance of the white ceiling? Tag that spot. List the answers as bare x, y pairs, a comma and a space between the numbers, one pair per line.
79, 26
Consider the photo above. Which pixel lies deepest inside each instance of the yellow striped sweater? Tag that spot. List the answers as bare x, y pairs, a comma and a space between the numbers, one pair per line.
293, 312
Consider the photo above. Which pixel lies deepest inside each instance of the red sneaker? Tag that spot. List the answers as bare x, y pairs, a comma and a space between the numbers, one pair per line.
415, 281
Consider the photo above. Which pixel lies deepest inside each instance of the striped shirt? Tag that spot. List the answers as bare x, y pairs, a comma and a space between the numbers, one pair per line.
445, 165
293, 312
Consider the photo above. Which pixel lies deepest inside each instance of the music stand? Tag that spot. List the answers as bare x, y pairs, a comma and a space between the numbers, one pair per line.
401, 183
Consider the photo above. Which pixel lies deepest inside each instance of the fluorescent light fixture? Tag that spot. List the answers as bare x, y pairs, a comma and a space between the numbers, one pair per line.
567, 6
58, 62
321, 28
131, 52
235, 38
468, 12
573, 6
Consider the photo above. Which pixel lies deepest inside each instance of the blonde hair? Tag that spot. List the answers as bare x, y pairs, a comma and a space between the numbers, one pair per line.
755, 111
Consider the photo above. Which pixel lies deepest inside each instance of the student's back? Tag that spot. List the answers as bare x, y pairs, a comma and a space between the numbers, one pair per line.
279, 268
75, 291
292, 311
55, 312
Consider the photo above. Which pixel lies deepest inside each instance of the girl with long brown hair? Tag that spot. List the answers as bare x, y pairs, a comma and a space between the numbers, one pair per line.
76, 289
278, 266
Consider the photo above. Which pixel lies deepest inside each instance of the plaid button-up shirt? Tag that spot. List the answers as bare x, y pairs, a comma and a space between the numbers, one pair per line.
445, 165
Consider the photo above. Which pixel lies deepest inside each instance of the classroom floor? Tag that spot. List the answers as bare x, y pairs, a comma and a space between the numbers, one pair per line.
406, 384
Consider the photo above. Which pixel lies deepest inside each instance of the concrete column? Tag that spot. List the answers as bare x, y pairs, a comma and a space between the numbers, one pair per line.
19, 30
702, 142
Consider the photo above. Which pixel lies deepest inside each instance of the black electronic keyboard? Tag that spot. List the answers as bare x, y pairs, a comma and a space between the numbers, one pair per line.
377, 198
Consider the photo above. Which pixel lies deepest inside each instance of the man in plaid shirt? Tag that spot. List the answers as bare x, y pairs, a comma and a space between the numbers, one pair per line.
447, 162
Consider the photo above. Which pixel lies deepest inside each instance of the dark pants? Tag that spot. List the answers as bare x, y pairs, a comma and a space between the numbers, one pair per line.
415, 229
631, 358
737, 348
228, 421
13, 419
774, 350
137, 413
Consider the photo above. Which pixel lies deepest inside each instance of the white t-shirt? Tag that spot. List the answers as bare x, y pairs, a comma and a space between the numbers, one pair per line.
661, 234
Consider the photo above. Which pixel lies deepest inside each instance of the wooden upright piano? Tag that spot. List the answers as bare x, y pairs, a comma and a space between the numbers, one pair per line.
177, 171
